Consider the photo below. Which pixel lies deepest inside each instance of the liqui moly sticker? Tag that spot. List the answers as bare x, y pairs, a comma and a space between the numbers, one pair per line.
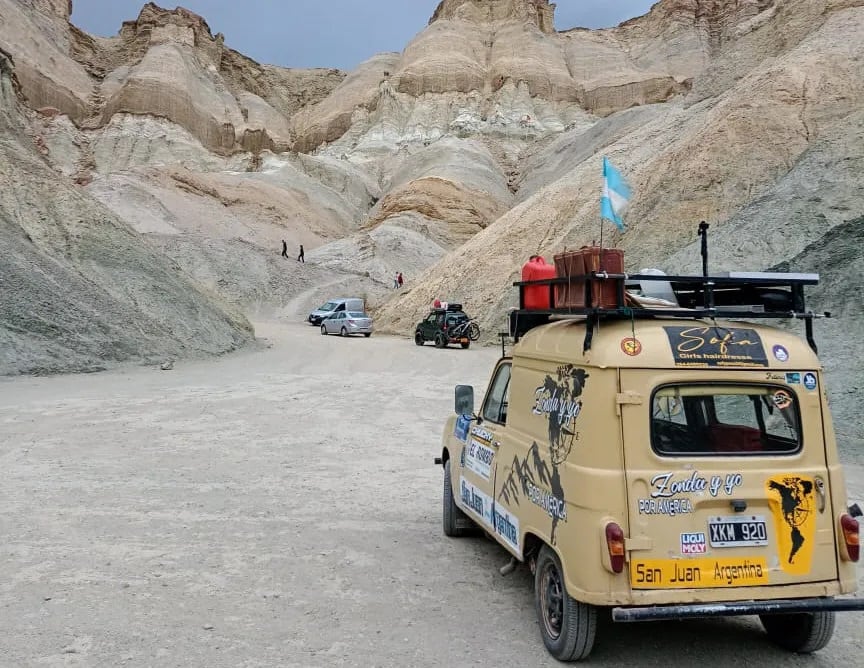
693, 543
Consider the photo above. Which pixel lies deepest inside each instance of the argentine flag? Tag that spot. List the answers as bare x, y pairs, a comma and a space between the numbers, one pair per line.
616, 195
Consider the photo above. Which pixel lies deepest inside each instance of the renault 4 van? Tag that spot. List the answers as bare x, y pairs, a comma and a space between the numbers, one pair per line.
661, 462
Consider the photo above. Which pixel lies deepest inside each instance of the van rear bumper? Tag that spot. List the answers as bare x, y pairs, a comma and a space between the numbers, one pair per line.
733, 609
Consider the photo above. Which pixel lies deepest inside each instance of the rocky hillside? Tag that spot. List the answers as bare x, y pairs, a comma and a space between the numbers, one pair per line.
454, 160
79, 289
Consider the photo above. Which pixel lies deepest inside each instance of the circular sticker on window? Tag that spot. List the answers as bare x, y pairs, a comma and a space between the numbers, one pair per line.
810, 381
782, 399
781, 354
631, 347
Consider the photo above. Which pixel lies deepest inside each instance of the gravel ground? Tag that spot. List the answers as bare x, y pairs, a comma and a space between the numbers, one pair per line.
278, 507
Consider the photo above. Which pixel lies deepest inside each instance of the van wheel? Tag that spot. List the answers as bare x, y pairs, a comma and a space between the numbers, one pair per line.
466, 345
440, 340
367, 335
568, 626
801, 632
344, 332
323, 330
456, 523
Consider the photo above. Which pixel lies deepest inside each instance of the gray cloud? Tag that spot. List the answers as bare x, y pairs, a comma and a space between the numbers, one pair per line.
327, 33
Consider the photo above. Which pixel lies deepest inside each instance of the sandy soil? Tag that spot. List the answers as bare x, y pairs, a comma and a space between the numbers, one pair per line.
277, 507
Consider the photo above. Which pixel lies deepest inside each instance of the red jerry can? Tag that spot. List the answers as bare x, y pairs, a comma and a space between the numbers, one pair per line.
537, 296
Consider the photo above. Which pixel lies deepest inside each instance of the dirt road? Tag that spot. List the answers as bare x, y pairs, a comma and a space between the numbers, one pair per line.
277, 508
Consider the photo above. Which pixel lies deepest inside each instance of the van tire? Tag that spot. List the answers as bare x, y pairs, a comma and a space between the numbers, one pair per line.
456, 523
367, 335
800, 632
465, 345
440, 340
568, 626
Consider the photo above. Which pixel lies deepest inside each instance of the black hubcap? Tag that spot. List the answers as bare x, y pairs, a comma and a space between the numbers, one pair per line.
552, 600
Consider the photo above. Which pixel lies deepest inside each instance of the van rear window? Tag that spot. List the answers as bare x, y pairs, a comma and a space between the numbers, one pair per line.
717, 420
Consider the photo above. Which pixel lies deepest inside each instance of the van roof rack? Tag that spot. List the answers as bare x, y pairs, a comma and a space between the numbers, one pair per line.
734, 295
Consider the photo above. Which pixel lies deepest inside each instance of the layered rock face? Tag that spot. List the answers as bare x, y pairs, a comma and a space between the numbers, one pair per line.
79, 289
540, 13
166, 64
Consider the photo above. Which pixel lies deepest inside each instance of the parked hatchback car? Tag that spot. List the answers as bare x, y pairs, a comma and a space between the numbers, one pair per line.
346, 323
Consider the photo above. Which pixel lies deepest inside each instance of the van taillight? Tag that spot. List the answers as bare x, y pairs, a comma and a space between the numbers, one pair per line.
851, 537
615, 543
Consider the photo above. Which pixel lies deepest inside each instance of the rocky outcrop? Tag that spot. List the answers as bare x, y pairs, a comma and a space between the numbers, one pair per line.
79, 289
59, 8
332, 117
539, 13
487, 48
164, 64
36, 35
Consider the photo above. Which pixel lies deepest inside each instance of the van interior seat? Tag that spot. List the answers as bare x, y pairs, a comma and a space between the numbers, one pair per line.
734, 438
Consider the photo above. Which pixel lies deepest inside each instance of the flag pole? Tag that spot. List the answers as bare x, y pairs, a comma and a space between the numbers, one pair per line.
601, 232
602, 220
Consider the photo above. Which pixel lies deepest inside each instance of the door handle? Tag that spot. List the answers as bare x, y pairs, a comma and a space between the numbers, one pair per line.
820, 492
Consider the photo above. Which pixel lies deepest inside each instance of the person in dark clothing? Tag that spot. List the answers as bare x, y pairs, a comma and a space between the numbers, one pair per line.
399, 279
284, 248
302, 256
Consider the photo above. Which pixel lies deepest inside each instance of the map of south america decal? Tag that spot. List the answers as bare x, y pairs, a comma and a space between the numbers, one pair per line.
791, 501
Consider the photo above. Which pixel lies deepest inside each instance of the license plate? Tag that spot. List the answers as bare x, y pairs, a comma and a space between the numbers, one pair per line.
746, 531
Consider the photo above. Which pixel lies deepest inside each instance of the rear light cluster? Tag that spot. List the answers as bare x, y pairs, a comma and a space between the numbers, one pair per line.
615, 545
851, 537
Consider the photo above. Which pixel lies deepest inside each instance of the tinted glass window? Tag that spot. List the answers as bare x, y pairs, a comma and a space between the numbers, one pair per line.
357, 314
721, 420
495, 407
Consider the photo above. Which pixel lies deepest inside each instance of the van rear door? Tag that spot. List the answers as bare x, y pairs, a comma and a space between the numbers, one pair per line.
727, 480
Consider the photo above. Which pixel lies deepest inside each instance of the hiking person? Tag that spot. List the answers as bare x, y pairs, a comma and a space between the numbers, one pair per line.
302, 256
396, 281
399, 280
284, 249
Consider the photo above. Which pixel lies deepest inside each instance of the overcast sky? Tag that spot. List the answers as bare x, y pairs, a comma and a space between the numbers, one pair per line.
326, 33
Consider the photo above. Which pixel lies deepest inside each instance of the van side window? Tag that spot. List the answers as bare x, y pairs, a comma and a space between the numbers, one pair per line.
495, 407
730, 420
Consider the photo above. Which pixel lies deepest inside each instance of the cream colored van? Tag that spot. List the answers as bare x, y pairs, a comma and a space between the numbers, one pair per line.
662, 463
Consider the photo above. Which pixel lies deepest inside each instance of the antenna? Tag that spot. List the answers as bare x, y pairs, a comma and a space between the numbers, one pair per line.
503, 336
703, 232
